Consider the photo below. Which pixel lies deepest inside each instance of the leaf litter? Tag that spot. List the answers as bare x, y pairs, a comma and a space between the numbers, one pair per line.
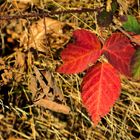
17, 96
45, 99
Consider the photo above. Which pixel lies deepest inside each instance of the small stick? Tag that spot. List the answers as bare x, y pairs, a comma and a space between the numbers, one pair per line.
47, 14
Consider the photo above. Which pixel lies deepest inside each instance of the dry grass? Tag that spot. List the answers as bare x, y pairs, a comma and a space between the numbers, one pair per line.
19, 117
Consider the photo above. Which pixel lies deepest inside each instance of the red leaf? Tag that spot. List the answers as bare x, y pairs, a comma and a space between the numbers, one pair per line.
119, 52
77, 56
100, 88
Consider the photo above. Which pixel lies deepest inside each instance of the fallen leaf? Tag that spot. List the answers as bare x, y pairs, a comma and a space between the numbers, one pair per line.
43, 85
51, 82
53, 106
50, 89
36, 36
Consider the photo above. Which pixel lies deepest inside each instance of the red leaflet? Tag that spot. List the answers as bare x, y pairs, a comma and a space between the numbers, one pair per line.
86, 38
100, 89
78, 55
119, 52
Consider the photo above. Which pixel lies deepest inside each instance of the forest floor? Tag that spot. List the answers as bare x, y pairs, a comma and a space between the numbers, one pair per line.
38, 103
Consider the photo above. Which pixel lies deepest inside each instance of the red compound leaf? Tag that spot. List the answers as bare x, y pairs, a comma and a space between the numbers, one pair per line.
83, 52
119, 52
100, 89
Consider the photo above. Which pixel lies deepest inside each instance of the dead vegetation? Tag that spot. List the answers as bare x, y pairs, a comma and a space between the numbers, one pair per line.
38, 103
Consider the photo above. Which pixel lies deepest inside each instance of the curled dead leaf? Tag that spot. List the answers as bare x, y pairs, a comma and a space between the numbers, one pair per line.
53, 106
53, 85
43, 85
49, 90
36, 36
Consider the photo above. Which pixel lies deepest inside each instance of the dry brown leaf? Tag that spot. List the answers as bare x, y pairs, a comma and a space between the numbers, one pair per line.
41, 82
53, 106
53, 85
48, 77
55, 93
36, 35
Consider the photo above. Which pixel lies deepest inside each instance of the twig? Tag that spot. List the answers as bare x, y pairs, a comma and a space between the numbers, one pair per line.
47, 14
